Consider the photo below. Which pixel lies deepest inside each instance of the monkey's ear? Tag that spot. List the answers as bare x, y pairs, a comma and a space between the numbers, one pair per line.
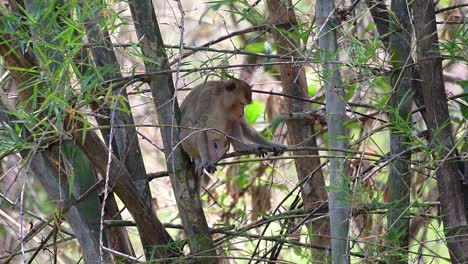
231, 85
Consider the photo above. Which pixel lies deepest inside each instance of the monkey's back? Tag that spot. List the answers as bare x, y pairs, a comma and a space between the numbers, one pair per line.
198, 111
201, 100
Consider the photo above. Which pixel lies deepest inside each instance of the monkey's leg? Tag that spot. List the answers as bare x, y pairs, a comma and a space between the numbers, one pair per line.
237, 141
206, 161
217, 147
252, 135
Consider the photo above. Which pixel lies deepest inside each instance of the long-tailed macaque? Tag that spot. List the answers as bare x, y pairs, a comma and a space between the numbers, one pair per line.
216, 110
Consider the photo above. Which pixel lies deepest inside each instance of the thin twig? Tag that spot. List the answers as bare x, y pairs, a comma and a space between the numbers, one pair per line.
450, 8
106, 185
8, 256
41, 246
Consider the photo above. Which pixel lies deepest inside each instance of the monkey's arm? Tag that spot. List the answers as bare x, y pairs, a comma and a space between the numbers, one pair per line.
260, 142
243, 131
236, 138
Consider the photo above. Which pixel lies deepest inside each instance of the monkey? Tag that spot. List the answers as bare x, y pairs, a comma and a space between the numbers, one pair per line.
216, 109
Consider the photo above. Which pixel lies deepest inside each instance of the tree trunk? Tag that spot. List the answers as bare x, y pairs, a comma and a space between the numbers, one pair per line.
181, 169
125, 143
400, 117
379, 12
338, 205
117, 237
441, 139
294, 82
81, 217
93, 147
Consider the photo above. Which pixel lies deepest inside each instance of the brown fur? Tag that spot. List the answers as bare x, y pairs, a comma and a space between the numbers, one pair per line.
218, 107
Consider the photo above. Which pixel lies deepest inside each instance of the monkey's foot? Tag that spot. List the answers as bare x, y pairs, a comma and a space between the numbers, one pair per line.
207, 165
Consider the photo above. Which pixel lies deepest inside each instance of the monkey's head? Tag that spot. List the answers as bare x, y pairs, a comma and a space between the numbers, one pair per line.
237, 94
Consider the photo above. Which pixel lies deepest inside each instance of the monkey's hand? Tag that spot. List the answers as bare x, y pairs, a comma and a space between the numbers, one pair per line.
262, 150
257, 149
277, 149
207, 165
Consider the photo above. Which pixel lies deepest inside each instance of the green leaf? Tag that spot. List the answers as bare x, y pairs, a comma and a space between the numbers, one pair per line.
71, 182
312, 90
464, 109
370, 27
242, 181
350, 89
445, 3
464, 84
254, 110
382, 82
315, 106
258, 47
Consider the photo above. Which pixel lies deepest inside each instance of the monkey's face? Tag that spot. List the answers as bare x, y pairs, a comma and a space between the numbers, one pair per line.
235, 104
236, 97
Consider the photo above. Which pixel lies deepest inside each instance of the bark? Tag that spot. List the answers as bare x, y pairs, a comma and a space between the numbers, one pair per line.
125, 139
441, 138
400, 117
160, 245
118, 237
379, 13
294, 82
75, 216
93, 147
80, 217
103, 57
338, 205
182, 171
57, 190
